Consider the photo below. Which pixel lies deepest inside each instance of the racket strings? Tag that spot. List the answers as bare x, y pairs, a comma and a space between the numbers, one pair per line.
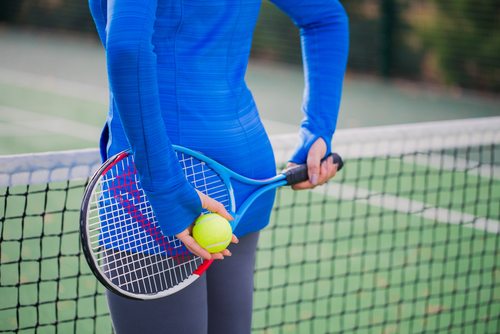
133, 203
125, 237
204, 179
142, 273
135, 232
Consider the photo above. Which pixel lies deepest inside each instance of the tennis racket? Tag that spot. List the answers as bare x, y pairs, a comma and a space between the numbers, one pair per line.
122, 240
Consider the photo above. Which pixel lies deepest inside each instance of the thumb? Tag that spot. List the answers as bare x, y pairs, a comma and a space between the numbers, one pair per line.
313, 166
314, 156
212, 205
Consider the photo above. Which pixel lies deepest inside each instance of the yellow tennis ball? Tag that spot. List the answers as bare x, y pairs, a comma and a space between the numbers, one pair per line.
212, 232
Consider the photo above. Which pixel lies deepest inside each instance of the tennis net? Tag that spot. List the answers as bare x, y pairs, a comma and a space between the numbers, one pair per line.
404, 240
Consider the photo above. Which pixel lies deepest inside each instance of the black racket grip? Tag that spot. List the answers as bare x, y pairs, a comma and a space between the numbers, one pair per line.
297, 174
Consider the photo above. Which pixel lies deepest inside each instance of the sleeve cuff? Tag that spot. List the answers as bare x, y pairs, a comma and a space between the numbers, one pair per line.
307, 138
176, 209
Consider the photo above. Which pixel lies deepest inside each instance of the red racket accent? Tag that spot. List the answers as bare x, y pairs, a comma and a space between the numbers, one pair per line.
125, 185
119, 158
203, 267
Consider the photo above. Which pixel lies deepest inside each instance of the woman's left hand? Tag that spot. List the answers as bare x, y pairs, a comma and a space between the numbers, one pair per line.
319, 172
187, 239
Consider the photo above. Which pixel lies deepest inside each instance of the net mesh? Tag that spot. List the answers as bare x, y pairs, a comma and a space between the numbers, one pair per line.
404, 240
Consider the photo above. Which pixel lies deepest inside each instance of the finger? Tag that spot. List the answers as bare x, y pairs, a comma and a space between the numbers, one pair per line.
194, 247
313, 168
332, 169
197, 253
214, 206
220, 255
217, 256
329, 169
226, 252
303, 185
235, 239
183, 234
323, 176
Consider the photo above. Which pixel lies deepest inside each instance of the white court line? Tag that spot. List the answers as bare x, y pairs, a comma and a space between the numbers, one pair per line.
455, 164
407, 206
41, 122
275, 127
10, 130
54, 85
93, 93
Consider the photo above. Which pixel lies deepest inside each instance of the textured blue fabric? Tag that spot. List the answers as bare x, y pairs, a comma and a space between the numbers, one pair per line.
176, 73
324, 35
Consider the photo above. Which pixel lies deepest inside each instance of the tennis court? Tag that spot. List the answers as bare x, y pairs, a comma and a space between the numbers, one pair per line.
53, 92
405, 240
409, 247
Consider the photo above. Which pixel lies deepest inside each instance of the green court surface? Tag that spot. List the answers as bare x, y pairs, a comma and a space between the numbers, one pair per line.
325, 264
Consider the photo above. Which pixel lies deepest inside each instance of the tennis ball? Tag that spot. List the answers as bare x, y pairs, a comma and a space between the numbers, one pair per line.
212, 232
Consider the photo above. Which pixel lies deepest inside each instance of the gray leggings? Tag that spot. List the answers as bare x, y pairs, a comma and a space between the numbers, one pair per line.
218, 302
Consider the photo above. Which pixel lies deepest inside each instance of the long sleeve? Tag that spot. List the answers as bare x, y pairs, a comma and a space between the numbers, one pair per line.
324, 35
98, 9
132, 71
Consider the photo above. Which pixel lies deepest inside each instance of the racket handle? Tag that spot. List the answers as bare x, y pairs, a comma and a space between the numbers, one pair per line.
297, 174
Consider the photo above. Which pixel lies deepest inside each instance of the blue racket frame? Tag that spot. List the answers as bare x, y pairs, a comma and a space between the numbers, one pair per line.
227, 175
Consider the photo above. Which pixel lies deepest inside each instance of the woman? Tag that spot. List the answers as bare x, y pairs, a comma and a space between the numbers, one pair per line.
176, 74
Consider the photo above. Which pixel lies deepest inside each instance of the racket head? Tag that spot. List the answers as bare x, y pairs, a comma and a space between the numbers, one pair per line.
121, 238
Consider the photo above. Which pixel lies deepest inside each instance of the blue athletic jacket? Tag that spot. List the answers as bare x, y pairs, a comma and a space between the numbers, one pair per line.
176, 75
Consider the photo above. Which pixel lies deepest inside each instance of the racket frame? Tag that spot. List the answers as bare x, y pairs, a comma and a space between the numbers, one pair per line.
226, 176
85, 237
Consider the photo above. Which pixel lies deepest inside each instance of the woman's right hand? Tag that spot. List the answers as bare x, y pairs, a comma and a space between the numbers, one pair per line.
187, 239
